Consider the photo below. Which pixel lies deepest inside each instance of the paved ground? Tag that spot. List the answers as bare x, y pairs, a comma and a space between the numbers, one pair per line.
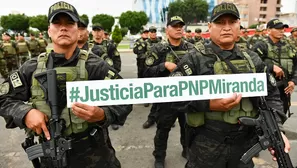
133, 144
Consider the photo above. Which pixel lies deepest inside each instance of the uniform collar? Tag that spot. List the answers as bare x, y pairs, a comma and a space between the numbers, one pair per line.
59, 59
215, 49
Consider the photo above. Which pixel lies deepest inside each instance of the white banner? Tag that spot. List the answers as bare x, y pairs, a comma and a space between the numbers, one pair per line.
165, 89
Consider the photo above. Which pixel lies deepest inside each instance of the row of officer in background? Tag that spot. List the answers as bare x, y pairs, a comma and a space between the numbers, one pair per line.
15, 53
100, 45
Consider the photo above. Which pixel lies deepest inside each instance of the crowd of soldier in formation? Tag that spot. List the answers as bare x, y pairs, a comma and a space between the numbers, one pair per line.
16, 52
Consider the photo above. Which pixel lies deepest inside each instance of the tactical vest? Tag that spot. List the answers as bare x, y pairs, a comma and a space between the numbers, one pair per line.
42, 43
104, 53
33, 45
244, 108
76, 73
9, 49
175, 56
23, 48
254, 40
242, 43
284, 58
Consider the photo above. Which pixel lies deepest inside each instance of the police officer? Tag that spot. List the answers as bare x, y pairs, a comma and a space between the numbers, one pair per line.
293, 37
22, 49
10, 52
217, 139
264, 33
106, 35
105, 49
33, 46
188, 37
161, 60
255, 38
245, 34
86, 126
198, 38
83, 35
152, 40
140, 48
241, 41
42, 43
279, 53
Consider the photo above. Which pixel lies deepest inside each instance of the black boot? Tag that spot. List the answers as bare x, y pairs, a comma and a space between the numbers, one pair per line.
114, 127
148, 124
159, 164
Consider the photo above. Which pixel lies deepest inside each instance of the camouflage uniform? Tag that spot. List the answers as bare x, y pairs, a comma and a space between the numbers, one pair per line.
283, 55
190, 40
140, 49
166, 116
216, 141
3, 65
108, 52
10, 55
253, 40
42, 45
199, 40
242, 43
153, 112
21, 86
34, 48
23, 51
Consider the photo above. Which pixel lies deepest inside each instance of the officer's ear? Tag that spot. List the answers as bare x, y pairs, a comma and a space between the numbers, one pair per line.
49, 31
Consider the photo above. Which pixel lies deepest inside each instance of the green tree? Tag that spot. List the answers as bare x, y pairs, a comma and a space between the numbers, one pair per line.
176, 8
133, 20
15, 22
117, 35
106, 21
39, 22
190, 10
124, 31
195, 10
85, 18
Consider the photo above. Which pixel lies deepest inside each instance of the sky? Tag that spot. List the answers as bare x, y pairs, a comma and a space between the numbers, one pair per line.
89, 7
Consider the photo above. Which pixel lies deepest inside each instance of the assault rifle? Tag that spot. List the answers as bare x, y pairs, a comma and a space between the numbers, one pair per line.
269, 135
283, 83
56, 148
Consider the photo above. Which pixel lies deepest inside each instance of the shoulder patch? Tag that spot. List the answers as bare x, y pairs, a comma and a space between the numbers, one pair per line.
116, 53
15, 80
187, 69
149, 60
4, 88
272, 80
177, 74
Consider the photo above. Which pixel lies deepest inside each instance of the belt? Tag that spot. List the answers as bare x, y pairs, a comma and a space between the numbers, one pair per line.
226, 133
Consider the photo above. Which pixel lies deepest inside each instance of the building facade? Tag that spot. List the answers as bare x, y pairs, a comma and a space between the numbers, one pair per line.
153, 9
256, 11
